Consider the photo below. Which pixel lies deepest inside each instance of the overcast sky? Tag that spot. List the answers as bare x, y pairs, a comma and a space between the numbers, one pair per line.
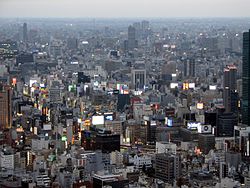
124, 8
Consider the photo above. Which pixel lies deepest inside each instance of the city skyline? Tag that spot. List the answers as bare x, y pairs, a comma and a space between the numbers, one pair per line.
123, 9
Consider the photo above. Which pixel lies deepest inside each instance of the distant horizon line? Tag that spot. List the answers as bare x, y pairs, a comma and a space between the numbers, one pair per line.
135, 18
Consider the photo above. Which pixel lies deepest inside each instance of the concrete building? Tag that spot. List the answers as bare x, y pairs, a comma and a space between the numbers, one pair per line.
166, 147
7, 159
142, 160
167, 167
5, 109
206, 142
138, 78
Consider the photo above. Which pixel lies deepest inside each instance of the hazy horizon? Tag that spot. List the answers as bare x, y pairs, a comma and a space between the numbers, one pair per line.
124, 9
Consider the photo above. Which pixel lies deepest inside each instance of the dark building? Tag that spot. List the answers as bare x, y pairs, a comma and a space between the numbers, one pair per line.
24, 58
192, 68
167, 167
206, 142
83, 78
188, 135
5, 107
151, 132
132, 42
229, 88
225, 124
107, 142
25, 32
246, 79
123, 100
210, 118
87, 140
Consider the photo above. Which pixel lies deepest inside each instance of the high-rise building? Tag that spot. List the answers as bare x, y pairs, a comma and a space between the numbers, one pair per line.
167, 167
5, 107
138, 29
192, 68
246, 79
132, 43
138, 78
189, 68
229, 88
145, 28
25, 32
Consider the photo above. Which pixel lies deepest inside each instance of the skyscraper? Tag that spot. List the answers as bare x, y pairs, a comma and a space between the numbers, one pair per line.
25, 32
131, 38
5, 107
229, 88
246, 79
192, 68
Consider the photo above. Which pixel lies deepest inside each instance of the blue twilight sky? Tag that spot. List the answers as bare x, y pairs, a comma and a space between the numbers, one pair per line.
124, 8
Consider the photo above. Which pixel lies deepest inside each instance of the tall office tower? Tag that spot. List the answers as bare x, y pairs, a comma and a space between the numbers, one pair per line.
25, 32
167, 167
5, 107
246, 79
189, 68
131, 38
145, 25
185, 68
145, 28
229, 88
138, 78
138, 29
192, 68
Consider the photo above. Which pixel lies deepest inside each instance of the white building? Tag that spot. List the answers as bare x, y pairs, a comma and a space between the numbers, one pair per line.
116, 158
7, 160
143, 160
138, 78
166, 147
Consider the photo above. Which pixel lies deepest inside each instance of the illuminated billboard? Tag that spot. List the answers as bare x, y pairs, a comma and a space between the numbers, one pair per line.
193, 125
72, 88
212, 87
173, 85
64, 138
108, 116
170, 122
14, 81
191, 85
204, 129
185, 86
97, 120
32, 82
200, 106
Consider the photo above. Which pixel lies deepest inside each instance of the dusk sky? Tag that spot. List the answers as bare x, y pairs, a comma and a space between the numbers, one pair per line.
124, 8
